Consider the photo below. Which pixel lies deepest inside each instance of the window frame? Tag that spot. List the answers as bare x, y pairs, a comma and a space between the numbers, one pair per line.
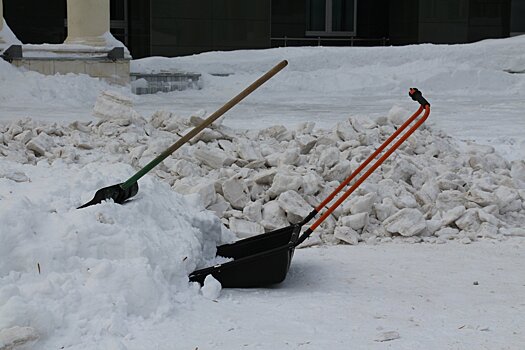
328, 22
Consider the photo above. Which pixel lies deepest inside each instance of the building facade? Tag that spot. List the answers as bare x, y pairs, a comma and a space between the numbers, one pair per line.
180, 27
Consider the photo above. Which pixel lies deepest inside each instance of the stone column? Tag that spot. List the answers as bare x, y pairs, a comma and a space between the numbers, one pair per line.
87, 22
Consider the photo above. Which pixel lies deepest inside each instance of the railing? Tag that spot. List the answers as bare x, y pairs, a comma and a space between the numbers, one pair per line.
319, 40
163, 82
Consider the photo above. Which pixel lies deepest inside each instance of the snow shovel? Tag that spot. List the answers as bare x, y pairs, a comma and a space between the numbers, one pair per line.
265, 259
123, 191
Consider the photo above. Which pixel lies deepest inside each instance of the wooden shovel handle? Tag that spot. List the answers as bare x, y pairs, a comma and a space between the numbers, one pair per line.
226, 107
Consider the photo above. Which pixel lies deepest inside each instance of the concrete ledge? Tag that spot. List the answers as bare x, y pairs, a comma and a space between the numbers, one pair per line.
116, 72
110, 64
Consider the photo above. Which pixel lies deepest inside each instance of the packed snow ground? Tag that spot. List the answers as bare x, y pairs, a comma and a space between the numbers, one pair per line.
114, 277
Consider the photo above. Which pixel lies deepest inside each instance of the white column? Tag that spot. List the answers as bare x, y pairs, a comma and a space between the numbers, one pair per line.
88, 22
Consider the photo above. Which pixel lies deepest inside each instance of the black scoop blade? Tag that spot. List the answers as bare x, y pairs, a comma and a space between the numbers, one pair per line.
115, 192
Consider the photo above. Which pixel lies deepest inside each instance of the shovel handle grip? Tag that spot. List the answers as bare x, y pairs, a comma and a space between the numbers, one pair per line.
418, 97
192, 133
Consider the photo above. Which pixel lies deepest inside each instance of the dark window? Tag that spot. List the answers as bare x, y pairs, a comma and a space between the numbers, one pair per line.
317, 15
330, 17
342, 16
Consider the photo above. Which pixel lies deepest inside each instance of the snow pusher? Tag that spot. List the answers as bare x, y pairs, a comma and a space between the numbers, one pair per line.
125, 190
264, 259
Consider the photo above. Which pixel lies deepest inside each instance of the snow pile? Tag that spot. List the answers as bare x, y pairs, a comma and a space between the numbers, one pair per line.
464, 69
431, 190
256, 181
325, 72
27, 88
91, 273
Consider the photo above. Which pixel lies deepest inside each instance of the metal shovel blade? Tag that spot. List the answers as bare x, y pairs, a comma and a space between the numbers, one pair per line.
115, 192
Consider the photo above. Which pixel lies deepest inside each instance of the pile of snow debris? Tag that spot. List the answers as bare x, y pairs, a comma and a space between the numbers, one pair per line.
70, 276
430, 190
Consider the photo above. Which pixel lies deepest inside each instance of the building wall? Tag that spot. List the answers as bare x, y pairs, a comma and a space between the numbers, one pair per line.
180, 27
403, 24
517, 17
289, 20
448, 21
372, 19
488, 19
139, 43
443, 21
38, 22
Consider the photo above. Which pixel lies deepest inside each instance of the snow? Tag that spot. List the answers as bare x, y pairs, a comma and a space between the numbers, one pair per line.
211, 288
84, 271
69, 51
115, 276
7, 37
346, 297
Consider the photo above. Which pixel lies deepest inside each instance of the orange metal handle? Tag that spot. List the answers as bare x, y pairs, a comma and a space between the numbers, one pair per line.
369, 159
424, 106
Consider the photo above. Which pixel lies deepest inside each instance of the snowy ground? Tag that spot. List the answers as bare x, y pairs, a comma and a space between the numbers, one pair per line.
111, 277
433, 296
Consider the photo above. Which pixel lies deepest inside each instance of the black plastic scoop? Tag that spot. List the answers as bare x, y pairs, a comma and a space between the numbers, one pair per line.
264, 259
123, 191
115, 192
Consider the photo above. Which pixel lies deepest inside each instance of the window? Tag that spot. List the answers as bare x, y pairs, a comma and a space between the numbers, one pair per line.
317, 15
331, 17
343, 16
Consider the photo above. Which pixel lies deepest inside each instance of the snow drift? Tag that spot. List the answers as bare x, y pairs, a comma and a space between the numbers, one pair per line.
76, 272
